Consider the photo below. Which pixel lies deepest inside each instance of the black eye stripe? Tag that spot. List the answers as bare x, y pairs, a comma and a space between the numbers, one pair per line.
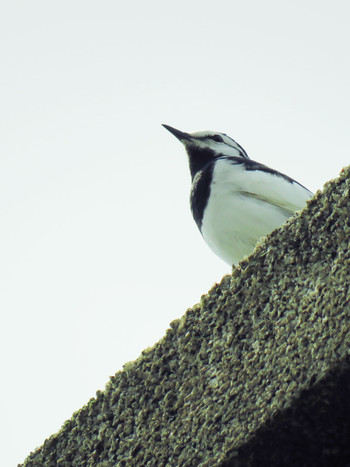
217, 138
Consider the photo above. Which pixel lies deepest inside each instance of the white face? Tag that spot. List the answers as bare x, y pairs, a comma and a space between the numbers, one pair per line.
219, 143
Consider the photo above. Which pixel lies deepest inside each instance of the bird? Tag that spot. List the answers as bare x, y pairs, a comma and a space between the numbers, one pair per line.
235, 201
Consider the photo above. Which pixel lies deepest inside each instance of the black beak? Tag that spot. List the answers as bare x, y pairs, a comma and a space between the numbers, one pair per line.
180, 135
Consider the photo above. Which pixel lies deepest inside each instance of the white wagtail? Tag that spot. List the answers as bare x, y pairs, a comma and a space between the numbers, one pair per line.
234, 200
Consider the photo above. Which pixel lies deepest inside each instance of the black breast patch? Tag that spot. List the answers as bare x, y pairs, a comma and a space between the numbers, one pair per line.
200, 192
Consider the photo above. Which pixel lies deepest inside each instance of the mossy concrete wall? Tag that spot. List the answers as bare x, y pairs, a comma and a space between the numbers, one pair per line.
256, 374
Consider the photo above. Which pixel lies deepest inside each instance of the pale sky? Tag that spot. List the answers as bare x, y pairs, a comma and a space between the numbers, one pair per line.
98, 251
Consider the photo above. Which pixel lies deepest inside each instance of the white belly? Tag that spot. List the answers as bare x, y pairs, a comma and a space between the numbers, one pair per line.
233, 224
237, 215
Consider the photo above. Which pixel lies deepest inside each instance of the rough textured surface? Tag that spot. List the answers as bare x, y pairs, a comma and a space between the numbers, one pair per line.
251, 376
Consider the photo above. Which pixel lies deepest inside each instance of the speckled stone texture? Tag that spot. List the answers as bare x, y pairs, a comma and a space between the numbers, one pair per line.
256, 374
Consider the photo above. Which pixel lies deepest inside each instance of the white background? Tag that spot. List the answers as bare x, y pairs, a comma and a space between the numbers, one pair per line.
98, 250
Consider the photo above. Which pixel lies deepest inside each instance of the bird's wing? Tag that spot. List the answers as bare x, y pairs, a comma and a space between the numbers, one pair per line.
267, 185
286, 211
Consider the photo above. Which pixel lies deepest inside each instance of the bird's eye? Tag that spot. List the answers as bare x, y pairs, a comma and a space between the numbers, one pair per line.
217, 138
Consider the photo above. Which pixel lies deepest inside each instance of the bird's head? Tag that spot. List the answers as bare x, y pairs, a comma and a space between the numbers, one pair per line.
205, 146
